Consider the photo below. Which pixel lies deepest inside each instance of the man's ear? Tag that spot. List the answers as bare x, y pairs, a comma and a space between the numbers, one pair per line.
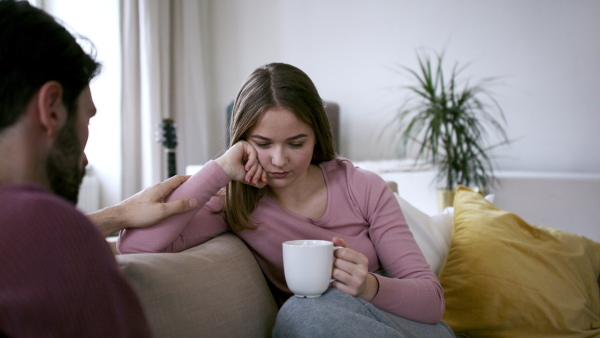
51, 109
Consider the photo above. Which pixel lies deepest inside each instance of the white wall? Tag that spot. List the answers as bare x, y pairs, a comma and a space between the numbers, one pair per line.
546, 52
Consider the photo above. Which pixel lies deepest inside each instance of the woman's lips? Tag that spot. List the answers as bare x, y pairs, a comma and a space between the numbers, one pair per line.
280, 174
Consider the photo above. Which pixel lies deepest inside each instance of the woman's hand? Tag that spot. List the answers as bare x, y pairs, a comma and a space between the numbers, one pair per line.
351, 274
240, 162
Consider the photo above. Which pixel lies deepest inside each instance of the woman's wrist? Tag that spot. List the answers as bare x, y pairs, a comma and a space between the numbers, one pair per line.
371, 288
224, 165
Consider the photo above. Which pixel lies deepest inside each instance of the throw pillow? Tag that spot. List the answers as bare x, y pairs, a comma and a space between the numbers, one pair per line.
506, 278
432, 233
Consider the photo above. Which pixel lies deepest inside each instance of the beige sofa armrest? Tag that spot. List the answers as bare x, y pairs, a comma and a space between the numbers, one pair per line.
212, 290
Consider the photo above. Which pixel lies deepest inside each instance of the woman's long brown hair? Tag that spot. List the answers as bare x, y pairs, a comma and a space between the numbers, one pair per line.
276, 85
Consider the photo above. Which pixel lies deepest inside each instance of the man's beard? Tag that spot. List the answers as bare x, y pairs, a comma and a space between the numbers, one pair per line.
63, 166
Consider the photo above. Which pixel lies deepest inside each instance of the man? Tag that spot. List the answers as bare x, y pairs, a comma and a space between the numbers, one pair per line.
57, 274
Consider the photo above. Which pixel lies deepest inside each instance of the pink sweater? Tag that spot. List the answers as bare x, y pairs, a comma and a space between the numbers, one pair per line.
361, 209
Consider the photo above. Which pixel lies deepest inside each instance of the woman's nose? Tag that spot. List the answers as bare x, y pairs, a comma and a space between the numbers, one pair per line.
278, 157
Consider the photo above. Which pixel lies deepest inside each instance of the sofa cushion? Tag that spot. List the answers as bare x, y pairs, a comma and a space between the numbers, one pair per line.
432, 233
215, 289
506, 278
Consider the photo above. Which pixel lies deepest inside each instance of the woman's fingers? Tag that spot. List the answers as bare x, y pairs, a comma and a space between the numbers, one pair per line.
241, 164
353, 263
255, 174
339, 242
350, 271
259, 179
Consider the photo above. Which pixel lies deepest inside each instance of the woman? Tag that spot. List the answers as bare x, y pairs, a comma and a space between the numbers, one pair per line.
282, 181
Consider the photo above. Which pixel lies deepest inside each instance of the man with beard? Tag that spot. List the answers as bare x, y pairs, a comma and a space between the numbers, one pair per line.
146, 208
58, 276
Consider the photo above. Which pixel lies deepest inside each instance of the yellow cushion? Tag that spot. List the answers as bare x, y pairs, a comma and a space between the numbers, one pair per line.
505, 278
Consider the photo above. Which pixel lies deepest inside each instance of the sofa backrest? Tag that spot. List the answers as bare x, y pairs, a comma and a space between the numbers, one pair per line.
215, 289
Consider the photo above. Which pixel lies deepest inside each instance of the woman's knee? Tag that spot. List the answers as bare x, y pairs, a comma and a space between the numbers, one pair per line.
310, 316
337, 314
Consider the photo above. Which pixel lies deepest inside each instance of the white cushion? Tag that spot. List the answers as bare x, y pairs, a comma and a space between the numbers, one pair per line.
432, 233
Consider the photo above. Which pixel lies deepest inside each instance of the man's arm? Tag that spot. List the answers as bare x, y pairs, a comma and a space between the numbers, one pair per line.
143, 209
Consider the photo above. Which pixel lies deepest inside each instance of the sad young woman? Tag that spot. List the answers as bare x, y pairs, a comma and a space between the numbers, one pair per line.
281, 180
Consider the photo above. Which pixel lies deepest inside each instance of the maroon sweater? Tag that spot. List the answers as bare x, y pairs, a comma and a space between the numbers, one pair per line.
58, 277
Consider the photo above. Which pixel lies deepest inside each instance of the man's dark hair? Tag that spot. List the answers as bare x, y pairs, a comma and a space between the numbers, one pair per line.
35, 49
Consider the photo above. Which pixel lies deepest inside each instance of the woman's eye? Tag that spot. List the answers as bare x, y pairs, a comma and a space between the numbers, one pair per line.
261, 145
296, 145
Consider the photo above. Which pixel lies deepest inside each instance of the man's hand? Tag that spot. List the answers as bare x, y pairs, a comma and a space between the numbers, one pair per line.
143, 209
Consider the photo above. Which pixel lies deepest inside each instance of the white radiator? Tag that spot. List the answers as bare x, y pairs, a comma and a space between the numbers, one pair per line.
89, 193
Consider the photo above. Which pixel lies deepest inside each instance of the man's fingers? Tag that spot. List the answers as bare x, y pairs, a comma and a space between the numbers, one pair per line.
179, 206
175, 181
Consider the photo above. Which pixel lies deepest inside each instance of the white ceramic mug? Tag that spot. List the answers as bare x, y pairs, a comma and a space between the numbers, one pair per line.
308, 265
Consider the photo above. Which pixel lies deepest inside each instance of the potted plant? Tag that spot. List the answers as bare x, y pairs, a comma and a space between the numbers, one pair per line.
449, 119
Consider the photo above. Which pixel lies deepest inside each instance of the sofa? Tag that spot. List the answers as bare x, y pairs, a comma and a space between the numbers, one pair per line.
502, 277
215, 289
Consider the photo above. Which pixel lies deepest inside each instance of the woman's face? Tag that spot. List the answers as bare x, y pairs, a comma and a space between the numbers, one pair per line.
285, 146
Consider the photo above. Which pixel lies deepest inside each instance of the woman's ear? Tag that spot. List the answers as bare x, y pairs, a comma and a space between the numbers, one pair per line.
51, 109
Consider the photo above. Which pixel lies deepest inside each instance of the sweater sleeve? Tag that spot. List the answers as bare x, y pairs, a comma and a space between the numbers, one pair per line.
409, 288
179, 232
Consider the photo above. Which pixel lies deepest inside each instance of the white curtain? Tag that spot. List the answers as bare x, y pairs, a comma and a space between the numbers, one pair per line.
164, 76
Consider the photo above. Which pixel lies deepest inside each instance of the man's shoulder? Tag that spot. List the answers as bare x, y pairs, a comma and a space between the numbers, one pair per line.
57, 258
19, 194
32, 209
47, 230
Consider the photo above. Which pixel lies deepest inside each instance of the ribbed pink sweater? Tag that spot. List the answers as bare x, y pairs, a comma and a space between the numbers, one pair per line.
361, 209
